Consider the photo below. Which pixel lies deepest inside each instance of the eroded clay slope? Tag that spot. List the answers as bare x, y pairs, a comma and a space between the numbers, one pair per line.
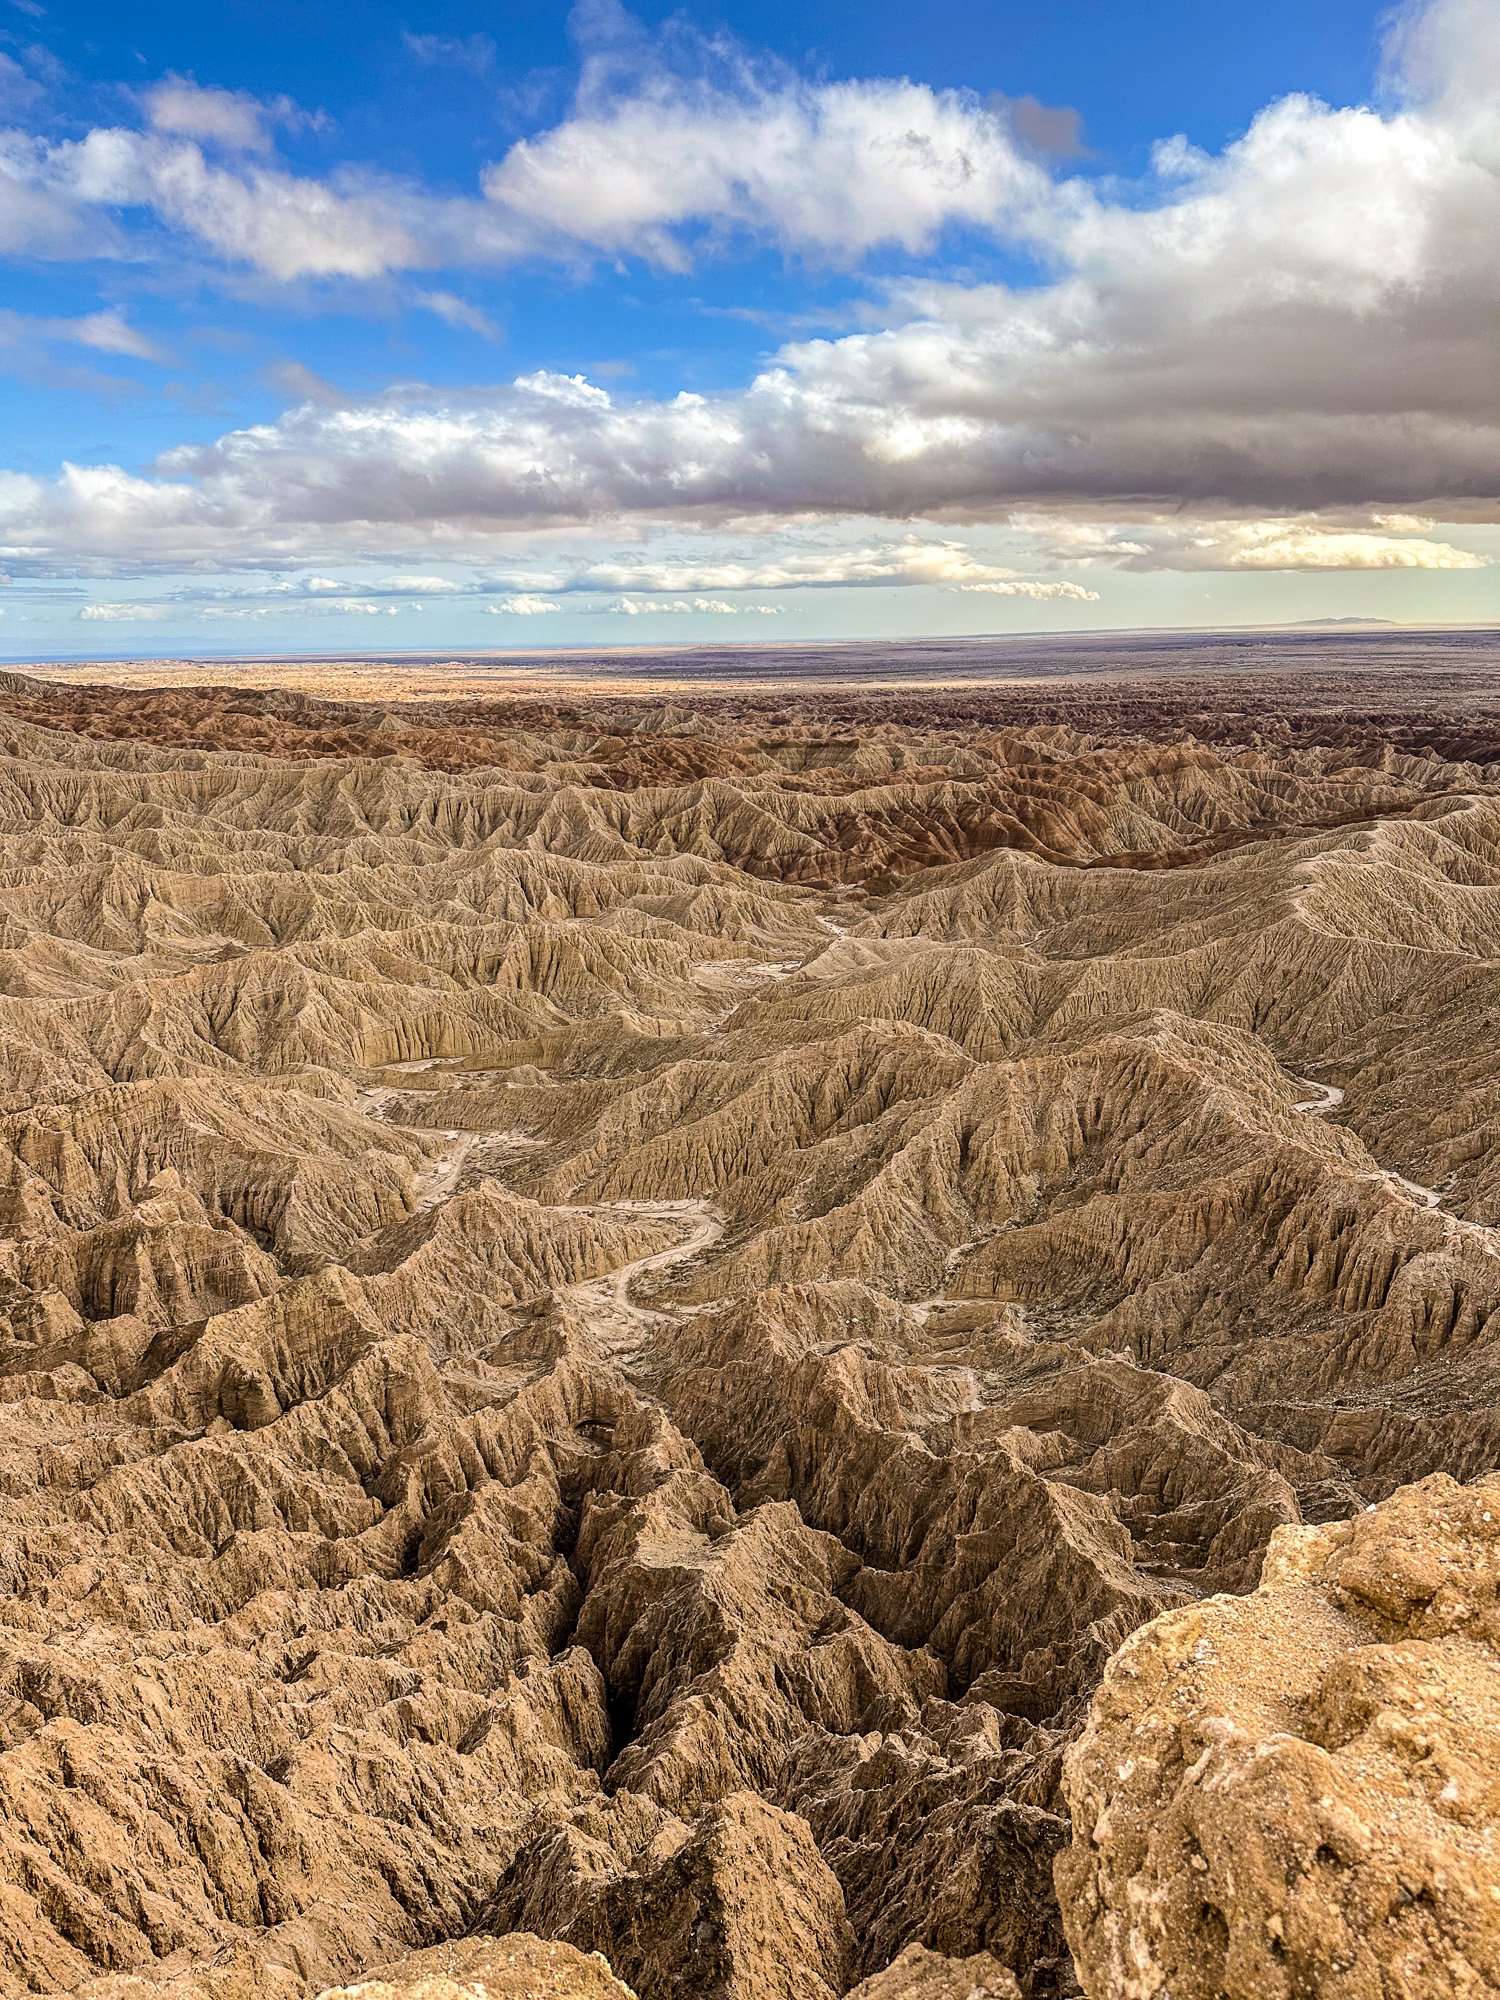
609, 1317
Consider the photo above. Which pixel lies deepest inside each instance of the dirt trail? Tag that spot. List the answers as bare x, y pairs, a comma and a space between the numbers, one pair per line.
615, 1318
1328, 1099
436, 1182
619, 1324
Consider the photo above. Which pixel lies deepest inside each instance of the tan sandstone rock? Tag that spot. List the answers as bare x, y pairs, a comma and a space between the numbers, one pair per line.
1297, 1793
509, 1968
919, 1974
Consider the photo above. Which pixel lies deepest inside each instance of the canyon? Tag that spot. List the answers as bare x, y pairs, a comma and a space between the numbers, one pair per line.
747, 1344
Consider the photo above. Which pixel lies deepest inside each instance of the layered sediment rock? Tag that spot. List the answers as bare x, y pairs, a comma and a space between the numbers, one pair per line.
605, 1321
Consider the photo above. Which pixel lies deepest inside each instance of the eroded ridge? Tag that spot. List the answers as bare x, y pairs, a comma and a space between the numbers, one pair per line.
609, 1317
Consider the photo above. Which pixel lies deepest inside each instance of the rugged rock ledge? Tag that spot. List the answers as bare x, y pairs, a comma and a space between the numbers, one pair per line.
1298, 1792
521, 1967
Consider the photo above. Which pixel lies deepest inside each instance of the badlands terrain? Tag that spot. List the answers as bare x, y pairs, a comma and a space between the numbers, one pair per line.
653, 1346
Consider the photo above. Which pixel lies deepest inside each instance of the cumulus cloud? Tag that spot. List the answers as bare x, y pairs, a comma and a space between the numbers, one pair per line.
1294, 546
284, 224
118, 613
1300, 326
523, 604
421, 586
1390, 542
75, 197
1447, 53
1036, 591
647, 163
835, 169
913, 559
718, 607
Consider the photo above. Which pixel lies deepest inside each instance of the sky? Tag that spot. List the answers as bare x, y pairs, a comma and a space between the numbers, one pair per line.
329, 329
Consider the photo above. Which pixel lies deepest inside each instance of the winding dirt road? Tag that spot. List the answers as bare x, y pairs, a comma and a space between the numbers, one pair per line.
619, 1324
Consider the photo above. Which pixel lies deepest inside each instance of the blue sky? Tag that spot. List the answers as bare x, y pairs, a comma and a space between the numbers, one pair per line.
329, 329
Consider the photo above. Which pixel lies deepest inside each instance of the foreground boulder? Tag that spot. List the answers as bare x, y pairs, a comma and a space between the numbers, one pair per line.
510, 1968
919, 1974
1298, 1792
522, 1967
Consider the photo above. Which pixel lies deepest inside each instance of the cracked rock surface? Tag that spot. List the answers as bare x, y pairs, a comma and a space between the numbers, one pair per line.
1298, 1791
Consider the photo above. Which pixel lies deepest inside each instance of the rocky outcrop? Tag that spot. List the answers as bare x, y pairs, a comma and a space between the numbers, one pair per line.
740, 1906
509, 1968
521, 1967
1298, 1792
919, 1974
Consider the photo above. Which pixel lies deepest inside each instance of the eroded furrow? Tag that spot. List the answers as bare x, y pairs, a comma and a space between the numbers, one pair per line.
608, 1323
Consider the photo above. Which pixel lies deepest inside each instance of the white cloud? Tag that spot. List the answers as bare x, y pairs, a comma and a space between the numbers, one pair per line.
228, 118
38, 220
1037, 592
834, 169
647, 160
523, 605
633, 586
1447, 52
279, 604
912, 560
107, 332
422, 586
1263, 545
119, 614
19, 92
457, 313
648, 607
243, 210
1389, 542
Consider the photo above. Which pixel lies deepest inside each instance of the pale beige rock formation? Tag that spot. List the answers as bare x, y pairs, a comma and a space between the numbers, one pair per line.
609, 1311
509, 1968
1298, 1791
919, 1974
